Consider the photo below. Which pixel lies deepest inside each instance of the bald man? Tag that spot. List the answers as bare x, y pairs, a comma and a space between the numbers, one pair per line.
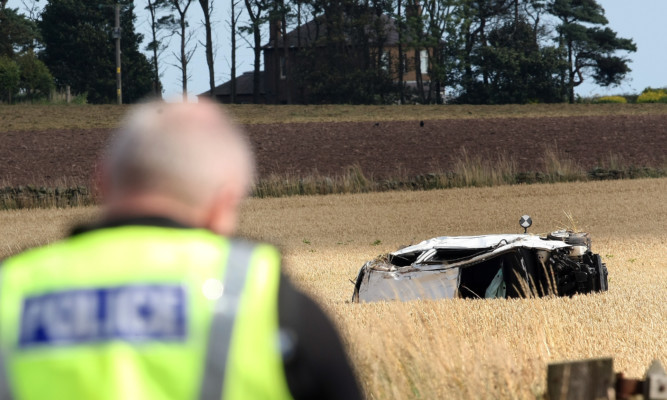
157, 300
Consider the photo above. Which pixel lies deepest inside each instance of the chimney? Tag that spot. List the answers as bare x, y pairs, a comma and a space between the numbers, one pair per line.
274, 32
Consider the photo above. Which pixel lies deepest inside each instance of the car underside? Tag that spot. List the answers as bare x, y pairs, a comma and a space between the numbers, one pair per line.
486, 266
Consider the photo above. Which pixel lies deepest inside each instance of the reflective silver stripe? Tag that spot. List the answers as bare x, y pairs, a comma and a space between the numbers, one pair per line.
223, 320
5, 393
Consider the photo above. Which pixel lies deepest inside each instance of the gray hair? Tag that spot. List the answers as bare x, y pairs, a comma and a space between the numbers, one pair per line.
185, 151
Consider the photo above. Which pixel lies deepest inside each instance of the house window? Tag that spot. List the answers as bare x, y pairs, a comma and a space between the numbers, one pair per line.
423, 61
283, 68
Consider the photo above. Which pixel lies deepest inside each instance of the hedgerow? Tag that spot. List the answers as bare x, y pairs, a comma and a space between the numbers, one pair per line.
650, 95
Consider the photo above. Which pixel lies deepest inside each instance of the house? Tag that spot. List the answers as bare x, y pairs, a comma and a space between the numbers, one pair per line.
244, 92
281, 54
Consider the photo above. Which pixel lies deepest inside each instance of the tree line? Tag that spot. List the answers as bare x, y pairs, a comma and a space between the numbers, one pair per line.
478, 51
355, 51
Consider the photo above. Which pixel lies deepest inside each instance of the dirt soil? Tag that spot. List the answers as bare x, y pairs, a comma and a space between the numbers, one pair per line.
57, 157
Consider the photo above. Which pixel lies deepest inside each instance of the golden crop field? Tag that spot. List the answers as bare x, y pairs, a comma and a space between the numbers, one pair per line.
458, 349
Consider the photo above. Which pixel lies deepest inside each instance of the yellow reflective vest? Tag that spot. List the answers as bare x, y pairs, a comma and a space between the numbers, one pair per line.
141, 312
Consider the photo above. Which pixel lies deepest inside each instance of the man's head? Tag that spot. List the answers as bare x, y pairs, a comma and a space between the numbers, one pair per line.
184, 161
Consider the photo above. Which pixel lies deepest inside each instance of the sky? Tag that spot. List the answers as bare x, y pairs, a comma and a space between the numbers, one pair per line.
641, 20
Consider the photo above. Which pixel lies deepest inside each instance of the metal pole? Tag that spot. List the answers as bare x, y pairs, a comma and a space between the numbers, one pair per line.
118, 75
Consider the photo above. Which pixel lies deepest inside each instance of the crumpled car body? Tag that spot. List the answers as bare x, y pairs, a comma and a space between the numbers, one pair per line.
486, 266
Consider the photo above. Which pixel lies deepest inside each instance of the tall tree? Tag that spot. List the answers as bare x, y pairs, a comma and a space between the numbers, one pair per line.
590, 49
378, 25
233, 23
499, 53
257, 13
281, 15
10, 78
18, 33
36, 80
160, 23
185, 53
19, 43
207, 10
533, 10
440, 22
79, 49
519, 70
32, 9
417, 35
401, 64
478, 18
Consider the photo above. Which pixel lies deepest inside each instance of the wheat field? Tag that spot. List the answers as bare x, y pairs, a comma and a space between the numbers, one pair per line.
457, 349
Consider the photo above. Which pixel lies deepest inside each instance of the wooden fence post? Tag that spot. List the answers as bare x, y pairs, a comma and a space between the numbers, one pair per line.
656, 382
581, 380
595, 380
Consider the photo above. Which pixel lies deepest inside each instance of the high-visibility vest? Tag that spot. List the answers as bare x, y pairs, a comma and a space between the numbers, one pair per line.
141, 312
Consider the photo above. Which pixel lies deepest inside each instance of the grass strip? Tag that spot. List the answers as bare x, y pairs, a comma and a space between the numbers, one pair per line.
468, 173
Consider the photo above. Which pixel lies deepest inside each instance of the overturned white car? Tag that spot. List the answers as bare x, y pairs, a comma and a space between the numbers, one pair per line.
486, 266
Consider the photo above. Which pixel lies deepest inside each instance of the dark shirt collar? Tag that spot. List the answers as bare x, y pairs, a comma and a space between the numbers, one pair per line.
158, 221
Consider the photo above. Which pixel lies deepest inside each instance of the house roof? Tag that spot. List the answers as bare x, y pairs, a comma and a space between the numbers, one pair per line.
317, 28
244, 86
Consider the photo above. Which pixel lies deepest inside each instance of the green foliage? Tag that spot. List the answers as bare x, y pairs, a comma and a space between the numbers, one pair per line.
610, 99
80, 51
631, 97
589, 11
80, 99
22, 75
515, 68
591, 50
479, 51
17, 33
10, 78
36, 80
652, 96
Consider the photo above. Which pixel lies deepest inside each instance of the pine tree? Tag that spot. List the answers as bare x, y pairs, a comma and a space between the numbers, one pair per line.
590, 49
80, 52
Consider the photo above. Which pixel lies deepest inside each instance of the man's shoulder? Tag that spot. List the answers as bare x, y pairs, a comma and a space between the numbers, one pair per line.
91, 242
33, 253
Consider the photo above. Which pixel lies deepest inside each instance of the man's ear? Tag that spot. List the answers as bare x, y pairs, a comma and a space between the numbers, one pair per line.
223, 213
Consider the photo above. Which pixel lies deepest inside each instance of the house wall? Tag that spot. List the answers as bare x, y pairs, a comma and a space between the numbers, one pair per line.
240, 99
283, 89
280, 89
410, 75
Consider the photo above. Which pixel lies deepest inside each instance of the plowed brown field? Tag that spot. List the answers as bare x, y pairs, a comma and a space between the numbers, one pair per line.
382, 149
